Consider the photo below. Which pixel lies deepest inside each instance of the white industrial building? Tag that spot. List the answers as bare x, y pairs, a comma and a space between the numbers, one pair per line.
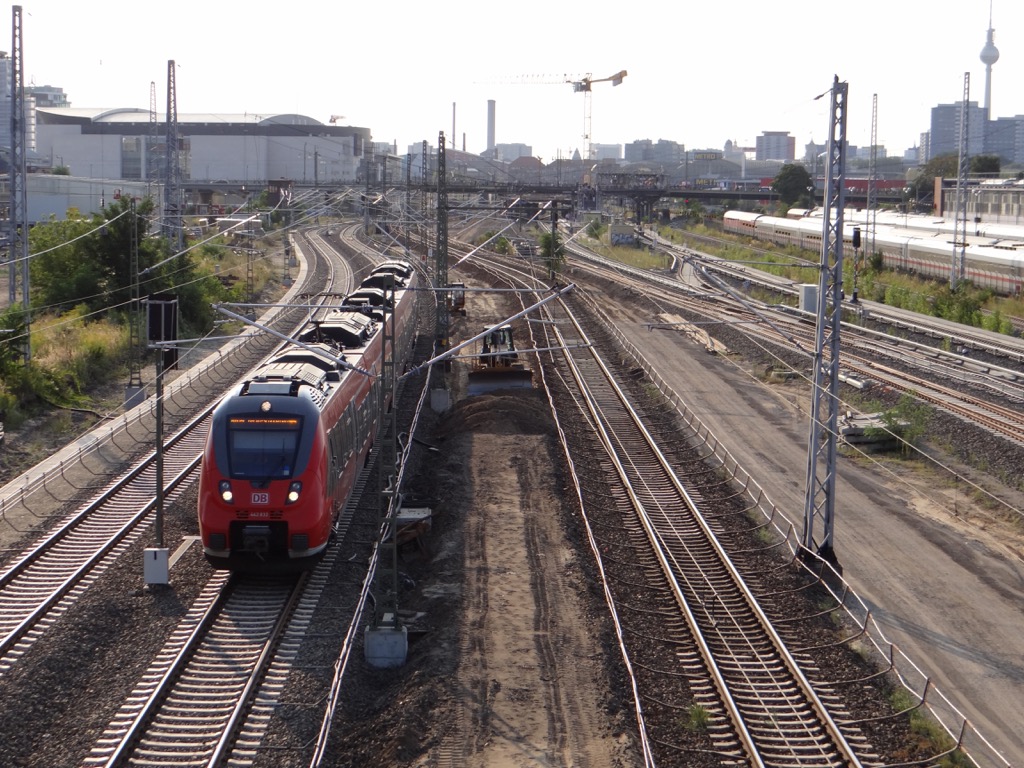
52, 196
130, 144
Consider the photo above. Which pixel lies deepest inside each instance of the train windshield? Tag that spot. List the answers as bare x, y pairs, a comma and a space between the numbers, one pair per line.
263, 448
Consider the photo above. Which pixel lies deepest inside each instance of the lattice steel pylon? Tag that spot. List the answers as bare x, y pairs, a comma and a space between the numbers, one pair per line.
153, 139
872, 182
385, 584
424, 197
18, 209
135, 310
441, 254
819, 499
957, 271
173, 229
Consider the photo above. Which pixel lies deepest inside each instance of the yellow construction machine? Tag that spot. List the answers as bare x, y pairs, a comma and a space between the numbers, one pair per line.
457, 299
497, 366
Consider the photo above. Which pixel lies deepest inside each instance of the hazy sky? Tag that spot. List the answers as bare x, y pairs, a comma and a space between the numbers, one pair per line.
699, 72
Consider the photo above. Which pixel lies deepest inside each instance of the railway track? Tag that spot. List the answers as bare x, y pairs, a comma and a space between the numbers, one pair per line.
210, 692
41, 583
763, 709
868, 356
637, 534
831, 686
955, 334
742, 669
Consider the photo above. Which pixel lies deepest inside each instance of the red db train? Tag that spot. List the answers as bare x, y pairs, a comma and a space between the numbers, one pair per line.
285, 446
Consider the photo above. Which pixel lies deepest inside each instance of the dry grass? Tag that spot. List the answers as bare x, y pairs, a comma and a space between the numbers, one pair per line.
61, 342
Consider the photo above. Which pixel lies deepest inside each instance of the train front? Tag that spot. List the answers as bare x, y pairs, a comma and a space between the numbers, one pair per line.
262, 499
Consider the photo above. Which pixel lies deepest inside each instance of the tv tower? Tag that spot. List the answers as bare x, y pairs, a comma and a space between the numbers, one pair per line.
989, 56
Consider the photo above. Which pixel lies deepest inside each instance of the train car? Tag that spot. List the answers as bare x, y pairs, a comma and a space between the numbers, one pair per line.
989, 262
285, 446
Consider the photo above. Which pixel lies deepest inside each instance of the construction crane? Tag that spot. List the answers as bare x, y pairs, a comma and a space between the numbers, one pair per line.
335, 118
580, 84
583, 85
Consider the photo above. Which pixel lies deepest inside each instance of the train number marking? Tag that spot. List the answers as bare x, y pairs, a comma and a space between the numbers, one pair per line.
261, 498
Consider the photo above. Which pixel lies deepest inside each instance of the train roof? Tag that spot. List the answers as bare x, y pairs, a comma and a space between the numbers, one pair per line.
981, 245
346, 328
381, 280
743, 215
375, 297
308, 355
402, 268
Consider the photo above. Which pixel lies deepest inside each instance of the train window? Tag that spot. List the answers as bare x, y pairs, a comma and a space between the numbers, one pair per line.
260, 447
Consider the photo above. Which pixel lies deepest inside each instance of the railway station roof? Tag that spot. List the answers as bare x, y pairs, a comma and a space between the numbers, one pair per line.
137, 115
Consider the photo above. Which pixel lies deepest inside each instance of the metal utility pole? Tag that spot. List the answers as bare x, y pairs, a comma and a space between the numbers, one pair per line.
250, 261
172, 225
386, 640
385, 603
152, 141
819, 500
134, 318
424, 197
18, 213
441, 254
872, 183
366, 195
957, 271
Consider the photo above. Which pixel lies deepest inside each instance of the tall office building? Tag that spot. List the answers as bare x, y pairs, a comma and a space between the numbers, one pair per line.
775, 145
945, 130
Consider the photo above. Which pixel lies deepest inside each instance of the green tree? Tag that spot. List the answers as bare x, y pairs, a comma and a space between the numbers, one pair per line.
595, 228
503, 245
552, 251
985, 165
88, 262
12, 339
791, 183
908, 419
60, 273
943, 166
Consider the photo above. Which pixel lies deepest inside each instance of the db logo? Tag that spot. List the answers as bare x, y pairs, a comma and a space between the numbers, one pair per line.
261, 498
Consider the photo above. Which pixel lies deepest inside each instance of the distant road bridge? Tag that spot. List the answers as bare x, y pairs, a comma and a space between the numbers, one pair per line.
643, 195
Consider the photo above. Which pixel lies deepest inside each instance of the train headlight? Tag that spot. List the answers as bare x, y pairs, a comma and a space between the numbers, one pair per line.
225, 492
294, 491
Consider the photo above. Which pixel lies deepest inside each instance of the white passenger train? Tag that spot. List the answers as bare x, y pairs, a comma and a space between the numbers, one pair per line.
994, 261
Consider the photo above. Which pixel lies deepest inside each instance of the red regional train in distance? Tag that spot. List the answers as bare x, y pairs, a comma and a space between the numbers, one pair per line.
285, 446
